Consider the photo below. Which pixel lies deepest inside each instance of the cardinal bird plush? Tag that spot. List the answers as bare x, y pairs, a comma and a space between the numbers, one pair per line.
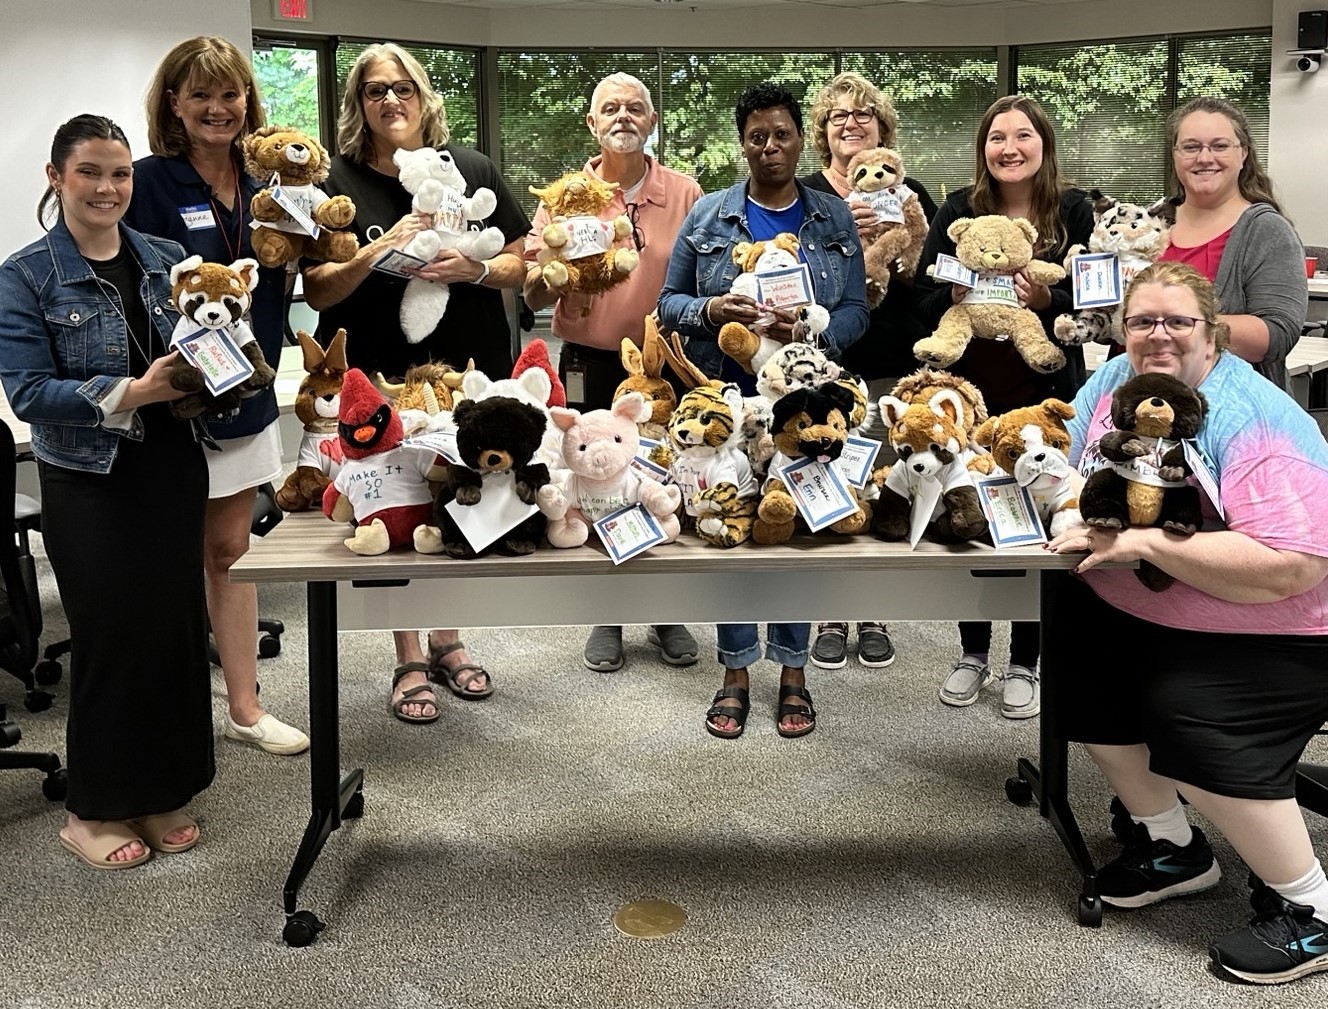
382, 486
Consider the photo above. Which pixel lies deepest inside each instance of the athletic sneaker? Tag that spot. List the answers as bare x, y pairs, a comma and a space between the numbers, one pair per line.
831, 648
875, 649
1148, 871
1022, 696
1284, 941
965, 682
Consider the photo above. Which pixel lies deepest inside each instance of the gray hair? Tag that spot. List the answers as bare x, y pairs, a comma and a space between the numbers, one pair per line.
625, 80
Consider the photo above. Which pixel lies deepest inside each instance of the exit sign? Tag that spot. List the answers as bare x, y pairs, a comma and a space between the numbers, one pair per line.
293, 10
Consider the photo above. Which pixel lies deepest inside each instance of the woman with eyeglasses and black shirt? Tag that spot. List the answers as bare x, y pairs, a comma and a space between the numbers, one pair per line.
390, 104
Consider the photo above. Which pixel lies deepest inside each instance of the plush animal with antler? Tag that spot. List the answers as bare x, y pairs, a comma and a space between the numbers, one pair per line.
425, 396
877, 178
583, 254
317, 405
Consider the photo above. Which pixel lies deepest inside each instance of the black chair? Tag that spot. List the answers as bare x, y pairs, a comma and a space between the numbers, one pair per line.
20, 626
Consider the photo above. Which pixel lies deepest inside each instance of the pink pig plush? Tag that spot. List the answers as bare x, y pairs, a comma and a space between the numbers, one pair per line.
598, 447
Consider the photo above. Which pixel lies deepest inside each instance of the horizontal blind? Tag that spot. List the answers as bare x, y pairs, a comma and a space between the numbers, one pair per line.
454, 74
1235, 67
940, 96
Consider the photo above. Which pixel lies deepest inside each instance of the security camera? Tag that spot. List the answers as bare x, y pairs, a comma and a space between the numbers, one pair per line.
1308, 64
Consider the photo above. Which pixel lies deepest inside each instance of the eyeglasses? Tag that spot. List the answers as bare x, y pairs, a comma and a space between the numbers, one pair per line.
1175, 325
1219, 148
638, 236
860, 116
376, 91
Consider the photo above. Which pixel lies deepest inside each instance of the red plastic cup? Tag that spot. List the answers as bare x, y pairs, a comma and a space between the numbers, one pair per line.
1311, 266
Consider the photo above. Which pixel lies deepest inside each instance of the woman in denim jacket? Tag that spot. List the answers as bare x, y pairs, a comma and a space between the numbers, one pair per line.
696, 301
85, 326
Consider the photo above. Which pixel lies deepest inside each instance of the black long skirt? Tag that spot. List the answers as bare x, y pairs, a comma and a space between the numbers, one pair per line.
127, 552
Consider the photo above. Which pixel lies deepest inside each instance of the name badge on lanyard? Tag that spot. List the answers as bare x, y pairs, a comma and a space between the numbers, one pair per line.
198, 218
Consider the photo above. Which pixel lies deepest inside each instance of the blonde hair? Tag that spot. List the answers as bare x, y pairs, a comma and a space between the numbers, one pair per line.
1169, 274
206, 59
1048, 185
354, 141
1255, 185
865, 95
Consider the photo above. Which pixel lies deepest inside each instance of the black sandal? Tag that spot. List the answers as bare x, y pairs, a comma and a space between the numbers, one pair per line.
411, 695
786, 708
738, 714
455, 678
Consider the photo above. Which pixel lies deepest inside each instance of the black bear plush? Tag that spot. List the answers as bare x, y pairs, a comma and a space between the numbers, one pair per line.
1144, 483
494, 436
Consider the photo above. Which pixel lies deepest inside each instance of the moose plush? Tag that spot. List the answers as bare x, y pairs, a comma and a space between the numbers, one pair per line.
318, 407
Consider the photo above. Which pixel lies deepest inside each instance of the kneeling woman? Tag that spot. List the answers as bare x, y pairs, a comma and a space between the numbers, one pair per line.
85, 323
1213, 686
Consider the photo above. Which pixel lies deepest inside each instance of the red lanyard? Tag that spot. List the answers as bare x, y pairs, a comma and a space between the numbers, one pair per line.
233, 250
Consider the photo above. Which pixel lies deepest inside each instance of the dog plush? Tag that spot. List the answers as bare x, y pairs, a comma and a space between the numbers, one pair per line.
718, 489
495, 436
877, 178
1137, 236
318, 406
996, 247
299, 163
583, 254
598, 447
438, 189
811, 424
747, 346
1031, 444
383, 487
216, 297
930, 440
1143, 481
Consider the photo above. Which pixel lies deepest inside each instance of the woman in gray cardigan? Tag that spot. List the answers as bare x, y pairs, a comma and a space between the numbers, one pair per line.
1231, 229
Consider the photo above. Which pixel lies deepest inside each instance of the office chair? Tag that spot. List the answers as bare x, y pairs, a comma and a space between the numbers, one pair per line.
20, 624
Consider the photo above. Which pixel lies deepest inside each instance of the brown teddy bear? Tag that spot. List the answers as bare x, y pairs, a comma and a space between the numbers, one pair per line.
1031, 444
877, 177
299, 163
996, 247
316, 405
579, 254
1143, 480
746, 345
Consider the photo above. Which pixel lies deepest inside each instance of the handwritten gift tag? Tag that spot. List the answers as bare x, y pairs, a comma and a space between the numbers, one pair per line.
1097, 279
214, 353
786, 288
295, 206
586, 236
628, 532
643, 464
856, 460
499, 511
1011, 512
440, 442
949, 269
819, 492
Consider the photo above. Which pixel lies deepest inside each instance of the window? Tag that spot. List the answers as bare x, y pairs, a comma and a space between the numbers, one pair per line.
1235, 67
454, 74
288, 79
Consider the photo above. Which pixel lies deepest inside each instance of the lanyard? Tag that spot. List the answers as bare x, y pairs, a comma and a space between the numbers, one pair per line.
232, 249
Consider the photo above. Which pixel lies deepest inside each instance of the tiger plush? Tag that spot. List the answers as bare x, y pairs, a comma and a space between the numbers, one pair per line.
718, 490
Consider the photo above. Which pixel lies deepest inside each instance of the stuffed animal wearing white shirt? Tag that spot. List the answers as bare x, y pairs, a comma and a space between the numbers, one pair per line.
747, 345
299, 163
877, 177
1031, 444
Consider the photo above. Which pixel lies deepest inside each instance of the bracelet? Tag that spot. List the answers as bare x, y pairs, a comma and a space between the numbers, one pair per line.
710, 318
484, 266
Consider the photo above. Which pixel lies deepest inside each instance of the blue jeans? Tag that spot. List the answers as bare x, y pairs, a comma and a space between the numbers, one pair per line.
740, 645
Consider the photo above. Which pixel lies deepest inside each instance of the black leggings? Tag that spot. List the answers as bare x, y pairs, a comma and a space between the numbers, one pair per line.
1025, 640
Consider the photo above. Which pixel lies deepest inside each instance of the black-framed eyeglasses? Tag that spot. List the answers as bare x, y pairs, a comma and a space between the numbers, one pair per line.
1175, 325
638, 236
376, 91
860, 116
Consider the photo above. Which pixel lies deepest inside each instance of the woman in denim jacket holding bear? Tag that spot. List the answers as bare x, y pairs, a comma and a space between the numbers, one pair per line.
696, 301
85, 326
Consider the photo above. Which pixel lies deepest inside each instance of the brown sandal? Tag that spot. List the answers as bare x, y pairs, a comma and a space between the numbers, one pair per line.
105, 841
411, 695
154, 828
458, 679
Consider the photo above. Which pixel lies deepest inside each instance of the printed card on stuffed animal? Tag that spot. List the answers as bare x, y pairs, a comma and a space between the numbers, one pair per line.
499, 511
396, 262
951, 270
1203, 475
642, 464
296, 208
857, 458
786, 288
819, 492
628, 532
1097, 279
1012, 515
214, 353
443, 443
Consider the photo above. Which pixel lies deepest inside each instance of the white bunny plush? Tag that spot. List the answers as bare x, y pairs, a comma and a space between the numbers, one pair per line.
439, 189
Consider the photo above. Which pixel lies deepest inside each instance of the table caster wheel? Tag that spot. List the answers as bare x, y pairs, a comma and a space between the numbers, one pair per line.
1018, 791
301, 929
48, 672
1090, 911
269, 647
37, 700
54, 785
354, 807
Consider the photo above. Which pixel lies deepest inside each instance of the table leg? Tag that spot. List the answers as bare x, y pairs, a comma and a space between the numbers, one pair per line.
333, 797
1050, 783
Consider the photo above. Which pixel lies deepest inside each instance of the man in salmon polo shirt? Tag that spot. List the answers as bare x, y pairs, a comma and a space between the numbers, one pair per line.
656, 200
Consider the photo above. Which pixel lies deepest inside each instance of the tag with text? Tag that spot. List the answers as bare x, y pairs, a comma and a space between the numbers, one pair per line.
1097, 280
396, 262
819, 492
296, 212
1011, 512
1203, 475
787, 288
950, 269
856, 460
443, 443
628, 532
214, 353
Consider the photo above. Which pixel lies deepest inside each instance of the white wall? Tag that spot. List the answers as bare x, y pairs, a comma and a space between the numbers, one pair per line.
59, 58
1297, 139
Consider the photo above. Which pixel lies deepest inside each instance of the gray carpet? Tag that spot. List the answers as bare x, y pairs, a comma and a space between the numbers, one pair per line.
874, 863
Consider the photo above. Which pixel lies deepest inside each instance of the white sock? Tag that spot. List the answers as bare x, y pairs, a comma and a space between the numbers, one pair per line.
1169, 825
1311, 889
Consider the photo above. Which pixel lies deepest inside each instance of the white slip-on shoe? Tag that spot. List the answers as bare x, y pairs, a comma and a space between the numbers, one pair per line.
268, 733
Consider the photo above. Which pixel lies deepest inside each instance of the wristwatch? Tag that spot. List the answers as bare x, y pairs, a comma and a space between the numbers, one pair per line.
484, 266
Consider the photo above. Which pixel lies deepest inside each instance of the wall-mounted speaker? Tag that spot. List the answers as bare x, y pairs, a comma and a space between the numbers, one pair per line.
1312, 30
